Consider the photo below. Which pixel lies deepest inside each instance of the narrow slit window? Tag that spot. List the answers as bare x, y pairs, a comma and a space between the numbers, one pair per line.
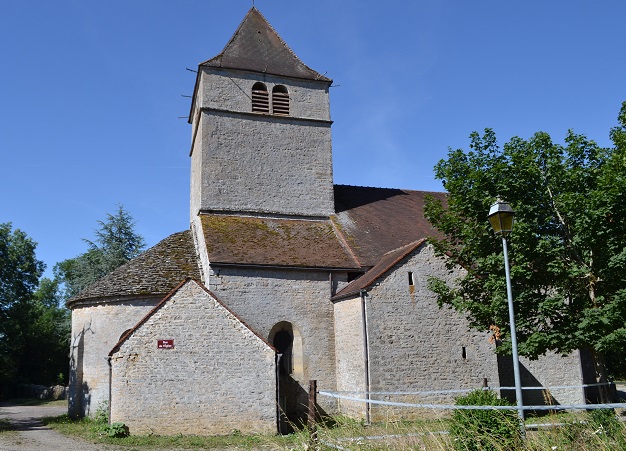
464, 353
260, 98
411, 280
280, 100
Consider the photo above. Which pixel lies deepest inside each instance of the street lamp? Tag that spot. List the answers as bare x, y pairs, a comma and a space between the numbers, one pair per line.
501, 219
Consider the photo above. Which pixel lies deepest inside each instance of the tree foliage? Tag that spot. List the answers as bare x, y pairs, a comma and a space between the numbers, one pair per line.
568, 246
116, 243
34, 330
19, 269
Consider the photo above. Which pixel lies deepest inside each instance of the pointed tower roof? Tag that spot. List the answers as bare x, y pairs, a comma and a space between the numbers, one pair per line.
257, 47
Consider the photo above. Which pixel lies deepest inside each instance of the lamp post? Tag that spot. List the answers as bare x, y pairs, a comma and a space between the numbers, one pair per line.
501, 219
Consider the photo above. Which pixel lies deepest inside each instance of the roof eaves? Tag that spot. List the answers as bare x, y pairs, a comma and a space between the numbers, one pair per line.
369, 278
124, 337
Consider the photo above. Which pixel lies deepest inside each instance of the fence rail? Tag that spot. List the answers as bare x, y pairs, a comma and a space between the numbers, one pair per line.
365, 397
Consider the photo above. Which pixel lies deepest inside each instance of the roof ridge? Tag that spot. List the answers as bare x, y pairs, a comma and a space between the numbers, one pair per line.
263, 51
390, 188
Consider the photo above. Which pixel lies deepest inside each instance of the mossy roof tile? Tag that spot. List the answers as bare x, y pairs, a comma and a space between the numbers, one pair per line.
155, 272
245, 240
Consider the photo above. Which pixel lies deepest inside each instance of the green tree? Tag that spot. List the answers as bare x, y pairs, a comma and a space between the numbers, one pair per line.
568, 246
34, 330
116, 243
19, 273
19, 269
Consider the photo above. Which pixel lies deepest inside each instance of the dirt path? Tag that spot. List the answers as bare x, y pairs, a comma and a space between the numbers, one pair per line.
32, 435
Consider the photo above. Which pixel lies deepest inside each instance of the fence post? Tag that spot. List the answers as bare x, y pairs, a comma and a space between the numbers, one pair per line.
311, 413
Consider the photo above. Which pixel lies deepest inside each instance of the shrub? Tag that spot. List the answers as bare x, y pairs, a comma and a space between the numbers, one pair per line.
478, 430
117, 430
102, 413
605, 423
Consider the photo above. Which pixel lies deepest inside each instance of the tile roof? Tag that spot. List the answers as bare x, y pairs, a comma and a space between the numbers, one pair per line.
155, 272
368, 225
248, 240
386, 263
378, 220
257, 47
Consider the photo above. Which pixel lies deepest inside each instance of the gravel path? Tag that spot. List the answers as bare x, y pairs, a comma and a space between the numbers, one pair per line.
32, 435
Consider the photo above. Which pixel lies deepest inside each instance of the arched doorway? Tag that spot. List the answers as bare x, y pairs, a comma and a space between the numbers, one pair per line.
292, 398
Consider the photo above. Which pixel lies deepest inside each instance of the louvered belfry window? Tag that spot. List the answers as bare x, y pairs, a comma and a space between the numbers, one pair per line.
280, 100
260, 98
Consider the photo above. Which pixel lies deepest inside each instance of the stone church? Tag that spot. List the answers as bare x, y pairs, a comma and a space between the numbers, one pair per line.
282, 277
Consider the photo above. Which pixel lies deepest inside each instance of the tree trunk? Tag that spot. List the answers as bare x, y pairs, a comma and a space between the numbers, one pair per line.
601, 377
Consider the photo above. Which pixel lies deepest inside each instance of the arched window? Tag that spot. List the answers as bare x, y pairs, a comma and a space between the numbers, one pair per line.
260, 98
280, 100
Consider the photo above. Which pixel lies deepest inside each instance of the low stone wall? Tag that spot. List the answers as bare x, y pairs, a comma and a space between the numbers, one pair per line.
42, 392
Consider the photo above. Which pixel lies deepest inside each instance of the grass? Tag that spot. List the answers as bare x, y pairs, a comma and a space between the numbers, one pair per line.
581, 432
38, 402
93, 431
5, 425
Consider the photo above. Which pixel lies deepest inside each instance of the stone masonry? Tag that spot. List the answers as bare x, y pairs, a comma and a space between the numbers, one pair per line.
218, 376
265, 297
96, 327
249, 162
412, 344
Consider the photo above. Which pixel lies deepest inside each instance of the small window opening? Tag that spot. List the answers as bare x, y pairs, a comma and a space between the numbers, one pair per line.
463, 353
260, 98
411, 286
280, 100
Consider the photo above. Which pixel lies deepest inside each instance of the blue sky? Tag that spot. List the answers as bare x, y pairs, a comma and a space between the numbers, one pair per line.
91, 94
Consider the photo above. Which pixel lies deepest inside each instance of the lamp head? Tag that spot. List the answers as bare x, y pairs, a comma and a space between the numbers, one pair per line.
501, 217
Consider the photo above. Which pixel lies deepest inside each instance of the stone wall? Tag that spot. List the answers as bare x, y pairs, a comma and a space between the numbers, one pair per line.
219, 376
350, 354
264, 164
414, 345
231, 90
244, 161
264, 298
96, 328
549, 370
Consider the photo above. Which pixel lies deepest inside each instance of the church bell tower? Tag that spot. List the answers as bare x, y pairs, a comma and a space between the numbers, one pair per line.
261, 130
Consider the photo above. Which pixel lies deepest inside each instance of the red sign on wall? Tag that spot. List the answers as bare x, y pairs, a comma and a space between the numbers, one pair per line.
165, 344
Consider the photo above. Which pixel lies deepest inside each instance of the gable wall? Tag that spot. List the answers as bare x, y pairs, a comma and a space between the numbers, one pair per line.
414, 345
220, 376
